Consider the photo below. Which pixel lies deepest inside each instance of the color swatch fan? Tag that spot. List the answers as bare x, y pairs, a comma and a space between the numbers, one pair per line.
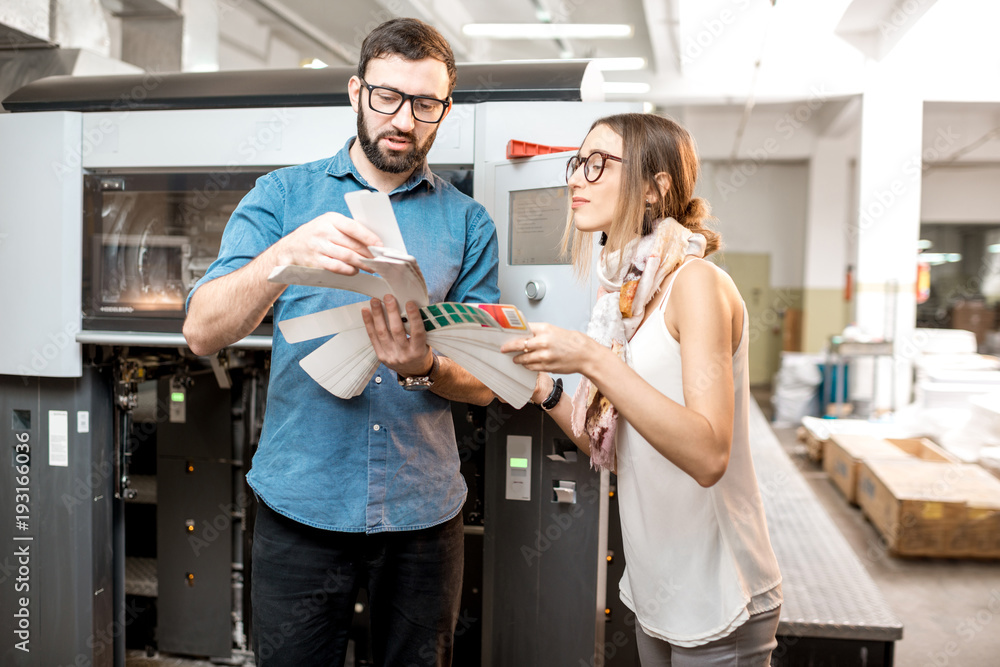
468, 334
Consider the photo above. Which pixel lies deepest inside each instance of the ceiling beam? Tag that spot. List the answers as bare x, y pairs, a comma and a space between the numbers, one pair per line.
874, 27
307, 30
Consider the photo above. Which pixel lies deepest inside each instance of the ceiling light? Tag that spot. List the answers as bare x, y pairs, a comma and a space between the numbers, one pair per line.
315, 63
924, 244
625, 88
548, 30
619, 64
993, 248
938, 258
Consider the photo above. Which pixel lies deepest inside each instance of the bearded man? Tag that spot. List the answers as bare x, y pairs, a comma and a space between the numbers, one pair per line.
366, 491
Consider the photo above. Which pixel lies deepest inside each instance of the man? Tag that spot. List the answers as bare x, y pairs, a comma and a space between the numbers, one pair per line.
365, 491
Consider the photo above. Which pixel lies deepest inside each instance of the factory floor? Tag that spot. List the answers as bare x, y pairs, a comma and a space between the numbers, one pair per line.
950, 609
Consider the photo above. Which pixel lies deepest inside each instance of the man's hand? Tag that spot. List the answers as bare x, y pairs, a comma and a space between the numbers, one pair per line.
407, 355
331, 241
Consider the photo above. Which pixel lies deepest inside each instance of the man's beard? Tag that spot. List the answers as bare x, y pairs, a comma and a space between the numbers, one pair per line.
392, 162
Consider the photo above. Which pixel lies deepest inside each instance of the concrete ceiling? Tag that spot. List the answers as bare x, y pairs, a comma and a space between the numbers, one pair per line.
696, 50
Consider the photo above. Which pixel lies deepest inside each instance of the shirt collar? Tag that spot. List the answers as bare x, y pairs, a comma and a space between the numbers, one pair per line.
341, 165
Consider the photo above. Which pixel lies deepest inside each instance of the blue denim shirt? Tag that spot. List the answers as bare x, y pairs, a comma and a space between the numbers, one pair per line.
385, 460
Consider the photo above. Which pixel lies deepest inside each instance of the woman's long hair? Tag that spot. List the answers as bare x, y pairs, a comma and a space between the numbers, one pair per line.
652, 145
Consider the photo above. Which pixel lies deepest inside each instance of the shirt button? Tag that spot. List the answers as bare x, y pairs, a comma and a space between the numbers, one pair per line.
378, 379
376, 427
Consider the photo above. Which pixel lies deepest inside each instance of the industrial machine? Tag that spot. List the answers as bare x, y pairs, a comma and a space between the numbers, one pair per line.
125, 511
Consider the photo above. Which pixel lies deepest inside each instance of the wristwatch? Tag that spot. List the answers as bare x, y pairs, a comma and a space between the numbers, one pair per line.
553, 398
419, 382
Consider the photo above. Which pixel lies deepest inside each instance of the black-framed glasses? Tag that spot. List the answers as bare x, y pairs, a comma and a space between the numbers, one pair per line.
593, 165
389, 100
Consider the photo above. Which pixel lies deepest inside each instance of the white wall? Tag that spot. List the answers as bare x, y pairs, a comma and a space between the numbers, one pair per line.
831, 195
961, 193
767, 214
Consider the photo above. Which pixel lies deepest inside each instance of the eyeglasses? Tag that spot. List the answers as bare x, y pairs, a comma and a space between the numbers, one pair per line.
389, 101
593, 165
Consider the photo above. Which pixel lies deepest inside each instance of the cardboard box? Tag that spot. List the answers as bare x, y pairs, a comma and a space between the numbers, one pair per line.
814, 446
924, 449
922, 508
978, 536
843, 454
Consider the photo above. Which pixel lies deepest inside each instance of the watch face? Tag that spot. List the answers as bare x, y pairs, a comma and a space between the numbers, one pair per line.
417, 383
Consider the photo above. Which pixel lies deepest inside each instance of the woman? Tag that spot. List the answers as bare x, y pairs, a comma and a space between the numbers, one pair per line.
664, 398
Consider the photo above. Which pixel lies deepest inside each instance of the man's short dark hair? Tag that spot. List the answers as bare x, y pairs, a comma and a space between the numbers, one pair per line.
410, 39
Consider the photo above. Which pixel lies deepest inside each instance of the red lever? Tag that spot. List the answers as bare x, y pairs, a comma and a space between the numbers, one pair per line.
517, 148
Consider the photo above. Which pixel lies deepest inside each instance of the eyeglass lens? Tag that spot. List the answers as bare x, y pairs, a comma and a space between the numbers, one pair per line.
593, 166
387, 101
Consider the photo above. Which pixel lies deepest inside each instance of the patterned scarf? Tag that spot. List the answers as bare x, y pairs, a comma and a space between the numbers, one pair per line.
621, 304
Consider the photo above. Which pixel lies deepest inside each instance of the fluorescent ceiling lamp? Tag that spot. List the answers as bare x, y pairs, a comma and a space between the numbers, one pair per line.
548, 30
938, 258
315, 63
625, 88
993, 248
924, 244
619, 64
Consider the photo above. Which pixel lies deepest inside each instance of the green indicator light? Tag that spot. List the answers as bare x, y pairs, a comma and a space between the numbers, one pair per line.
177, 397
519, 463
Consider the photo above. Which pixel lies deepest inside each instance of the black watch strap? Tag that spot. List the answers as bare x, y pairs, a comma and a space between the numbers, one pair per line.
553, 398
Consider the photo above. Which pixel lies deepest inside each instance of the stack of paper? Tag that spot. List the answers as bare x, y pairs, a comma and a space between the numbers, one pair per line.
468, 334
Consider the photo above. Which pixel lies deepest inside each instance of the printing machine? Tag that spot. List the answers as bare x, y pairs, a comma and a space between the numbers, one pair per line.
125, 513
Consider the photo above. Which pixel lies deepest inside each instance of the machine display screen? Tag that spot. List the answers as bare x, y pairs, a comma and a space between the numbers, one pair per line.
537, 221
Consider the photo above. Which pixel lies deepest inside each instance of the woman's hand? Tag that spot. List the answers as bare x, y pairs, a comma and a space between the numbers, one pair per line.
554, 350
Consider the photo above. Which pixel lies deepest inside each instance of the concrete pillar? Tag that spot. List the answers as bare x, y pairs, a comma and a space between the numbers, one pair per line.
200, 41
887, 228
825, 312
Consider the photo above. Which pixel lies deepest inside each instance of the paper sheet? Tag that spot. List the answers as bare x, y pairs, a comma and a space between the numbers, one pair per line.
363, 283
323, 323
469, 334
374, 211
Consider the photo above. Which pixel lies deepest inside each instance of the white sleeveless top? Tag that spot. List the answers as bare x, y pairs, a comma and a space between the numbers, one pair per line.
698, 561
